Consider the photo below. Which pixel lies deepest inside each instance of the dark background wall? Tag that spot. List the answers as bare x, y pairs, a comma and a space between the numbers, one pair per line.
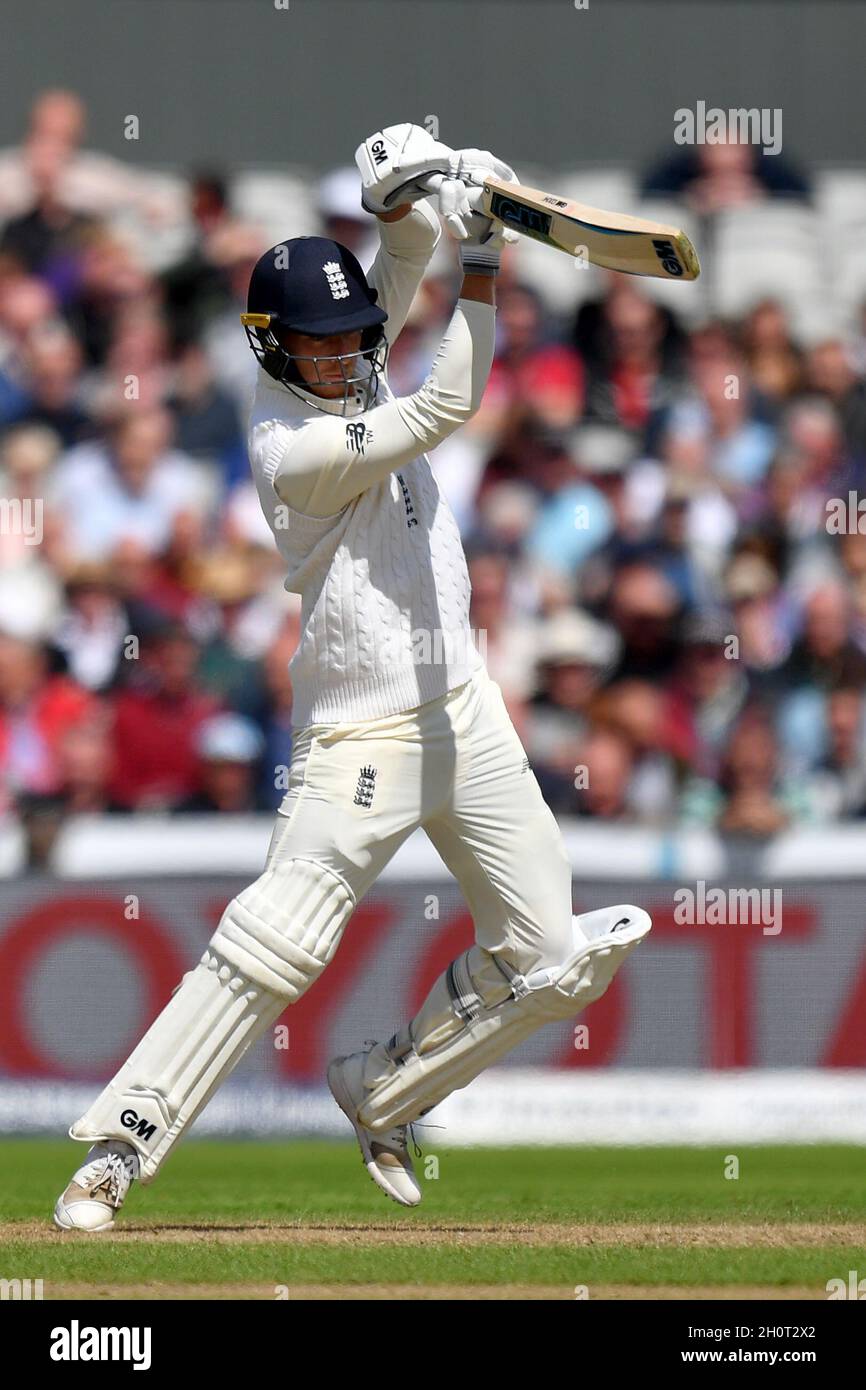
242, 82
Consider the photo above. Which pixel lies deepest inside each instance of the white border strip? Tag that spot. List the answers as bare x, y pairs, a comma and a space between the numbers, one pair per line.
96, 847
508, 1106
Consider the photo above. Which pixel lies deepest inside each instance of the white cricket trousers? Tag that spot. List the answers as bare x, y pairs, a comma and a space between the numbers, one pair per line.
456, 767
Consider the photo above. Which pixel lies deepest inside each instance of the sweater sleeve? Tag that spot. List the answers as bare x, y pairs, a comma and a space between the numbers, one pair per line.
319, 468
405, 248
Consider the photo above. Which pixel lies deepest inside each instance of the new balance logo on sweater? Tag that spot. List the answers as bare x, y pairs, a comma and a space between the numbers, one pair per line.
358, 436
365, 788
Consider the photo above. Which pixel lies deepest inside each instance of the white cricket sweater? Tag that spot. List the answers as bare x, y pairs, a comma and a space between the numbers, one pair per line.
369, 541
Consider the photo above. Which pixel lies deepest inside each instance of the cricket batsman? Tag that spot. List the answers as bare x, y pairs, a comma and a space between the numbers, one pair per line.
396, 722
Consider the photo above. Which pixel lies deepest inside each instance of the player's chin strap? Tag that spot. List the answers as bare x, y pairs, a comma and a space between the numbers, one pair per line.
480, 1008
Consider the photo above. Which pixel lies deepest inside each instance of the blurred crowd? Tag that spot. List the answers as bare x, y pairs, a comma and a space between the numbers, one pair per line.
679, 633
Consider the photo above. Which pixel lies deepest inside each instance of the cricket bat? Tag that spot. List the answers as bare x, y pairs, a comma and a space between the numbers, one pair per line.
613, 240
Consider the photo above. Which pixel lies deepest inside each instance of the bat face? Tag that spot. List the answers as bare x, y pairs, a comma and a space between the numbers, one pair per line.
609, 239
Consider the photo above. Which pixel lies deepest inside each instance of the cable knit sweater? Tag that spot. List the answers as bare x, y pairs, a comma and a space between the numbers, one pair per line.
369, 541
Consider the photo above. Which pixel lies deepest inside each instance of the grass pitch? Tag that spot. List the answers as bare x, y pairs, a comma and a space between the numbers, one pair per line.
303, 1220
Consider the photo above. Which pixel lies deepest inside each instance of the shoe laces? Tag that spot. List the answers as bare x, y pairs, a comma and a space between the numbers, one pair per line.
411, 1125
403, 1141
400, 1131
111, 1173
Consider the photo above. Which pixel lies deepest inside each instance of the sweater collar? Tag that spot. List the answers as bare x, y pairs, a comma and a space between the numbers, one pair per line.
297, 393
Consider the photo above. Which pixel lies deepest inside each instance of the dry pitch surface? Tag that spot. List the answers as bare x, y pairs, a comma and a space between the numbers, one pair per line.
301, 1221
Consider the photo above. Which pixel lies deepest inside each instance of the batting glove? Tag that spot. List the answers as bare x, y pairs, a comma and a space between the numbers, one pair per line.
393, 162
481, 249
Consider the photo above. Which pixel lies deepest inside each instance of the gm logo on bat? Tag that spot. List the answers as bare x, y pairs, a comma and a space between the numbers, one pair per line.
667, 255
518, 215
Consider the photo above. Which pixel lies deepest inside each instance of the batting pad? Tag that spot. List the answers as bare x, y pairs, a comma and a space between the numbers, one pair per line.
478, 1010
272, 942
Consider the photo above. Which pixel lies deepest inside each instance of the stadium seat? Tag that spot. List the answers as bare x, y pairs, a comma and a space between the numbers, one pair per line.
281, 204
772, 250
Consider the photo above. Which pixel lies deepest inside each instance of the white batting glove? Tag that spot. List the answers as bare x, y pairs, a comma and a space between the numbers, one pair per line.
396, 162
482, 238
471, 168
481, 249
392, 162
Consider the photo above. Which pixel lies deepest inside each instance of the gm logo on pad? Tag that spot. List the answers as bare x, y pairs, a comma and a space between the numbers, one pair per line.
143, 1128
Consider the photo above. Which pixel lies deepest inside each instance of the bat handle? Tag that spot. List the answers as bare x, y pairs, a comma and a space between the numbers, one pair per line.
432, 181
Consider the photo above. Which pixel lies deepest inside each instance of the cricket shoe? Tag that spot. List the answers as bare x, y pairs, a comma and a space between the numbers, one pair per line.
385, 1154
98, 1189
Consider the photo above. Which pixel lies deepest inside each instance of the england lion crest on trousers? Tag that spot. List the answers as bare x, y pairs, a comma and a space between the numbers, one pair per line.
366, 786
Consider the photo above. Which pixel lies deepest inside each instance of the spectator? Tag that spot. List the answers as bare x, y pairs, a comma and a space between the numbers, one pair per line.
708, 690
837, 787
669, 546
36, 709
84, 758
831, 373
583, 497
852, 553
133, 487
233, 364
92, 628
24, 302
206, 420
341, 216
722, 409
110, 278
228, 580
531, 375
711, 177
762, 618
156, 720
229, 747
824, 653
644, 609
605, 762
631, 381
274, 713
46, 239
774, 361
575, 653
196, 288
28, 454
92, 183
507, 644
52, 381
753, 799
639, 712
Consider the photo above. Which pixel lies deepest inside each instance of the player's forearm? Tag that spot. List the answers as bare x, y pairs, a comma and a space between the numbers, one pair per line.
480, 288
396, 214
452, 392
